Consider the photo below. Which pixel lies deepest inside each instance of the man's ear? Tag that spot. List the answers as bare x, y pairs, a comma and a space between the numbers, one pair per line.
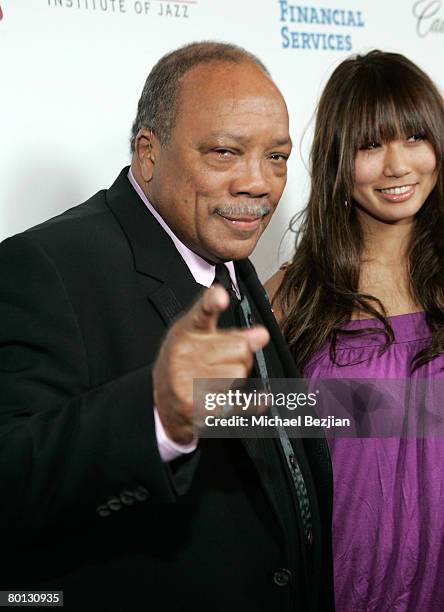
146, 149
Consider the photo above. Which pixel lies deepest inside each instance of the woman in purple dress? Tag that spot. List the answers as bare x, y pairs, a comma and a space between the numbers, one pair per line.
363, 298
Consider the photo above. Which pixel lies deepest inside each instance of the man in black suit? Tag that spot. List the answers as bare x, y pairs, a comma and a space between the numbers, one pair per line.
105, 322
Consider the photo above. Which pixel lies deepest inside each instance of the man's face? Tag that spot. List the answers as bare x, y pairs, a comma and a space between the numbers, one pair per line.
220, 177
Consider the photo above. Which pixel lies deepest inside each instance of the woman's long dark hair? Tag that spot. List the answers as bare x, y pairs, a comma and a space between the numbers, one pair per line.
371, 98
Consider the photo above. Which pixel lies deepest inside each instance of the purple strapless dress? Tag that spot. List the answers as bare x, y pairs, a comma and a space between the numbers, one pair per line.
388, 517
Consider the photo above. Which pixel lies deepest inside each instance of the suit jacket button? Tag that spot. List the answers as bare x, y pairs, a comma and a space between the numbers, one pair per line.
281, 577
103, 511
114, 503
127, 498
141, 494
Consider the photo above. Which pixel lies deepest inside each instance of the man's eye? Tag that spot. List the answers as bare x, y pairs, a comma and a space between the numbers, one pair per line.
279, 156
223, 153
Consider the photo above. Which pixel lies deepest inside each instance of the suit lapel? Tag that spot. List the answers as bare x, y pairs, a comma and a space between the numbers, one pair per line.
259, 296
165, 277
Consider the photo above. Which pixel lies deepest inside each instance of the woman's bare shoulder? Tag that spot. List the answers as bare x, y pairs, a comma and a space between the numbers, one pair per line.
273, 283
271, 287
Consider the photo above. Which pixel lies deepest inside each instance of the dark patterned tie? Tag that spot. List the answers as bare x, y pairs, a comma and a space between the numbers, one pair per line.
231, 316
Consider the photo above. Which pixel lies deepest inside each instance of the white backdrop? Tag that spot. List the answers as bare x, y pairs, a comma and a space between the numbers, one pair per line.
72, 72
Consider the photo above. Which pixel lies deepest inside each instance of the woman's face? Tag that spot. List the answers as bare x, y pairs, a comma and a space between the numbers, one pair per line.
393, 180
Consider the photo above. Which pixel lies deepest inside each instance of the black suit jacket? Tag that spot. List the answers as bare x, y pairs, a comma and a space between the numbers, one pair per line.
85, 300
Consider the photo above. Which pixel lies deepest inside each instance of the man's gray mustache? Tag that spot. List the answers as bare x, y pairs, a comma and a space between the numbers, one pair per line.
243, 210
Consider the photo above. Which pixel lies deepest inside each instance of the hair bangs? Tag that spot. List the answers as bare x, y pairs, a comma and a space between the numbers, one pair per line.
385, 109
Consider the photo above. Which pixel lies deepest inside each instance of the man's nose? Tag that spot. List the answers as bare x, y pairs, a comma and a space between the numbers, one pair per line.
396, 160
252, 180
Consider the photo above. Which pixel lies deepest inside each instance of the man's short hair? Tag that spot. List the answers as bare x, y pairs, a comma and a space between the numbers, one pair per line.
158, 105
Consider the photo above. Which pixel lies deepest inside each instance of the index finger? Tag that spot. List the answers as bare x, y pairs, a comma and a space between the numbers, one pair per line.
204, 314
